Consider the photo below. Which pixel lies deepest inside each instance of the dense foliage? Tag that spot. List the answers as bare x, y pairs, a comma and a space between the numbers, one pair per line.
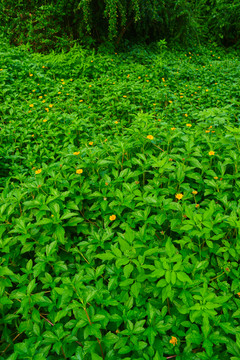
119, 205
58, 24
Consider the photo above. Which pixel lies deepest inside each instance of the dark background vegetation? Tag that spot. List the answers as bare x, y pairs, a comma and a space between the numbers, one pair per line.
58, 24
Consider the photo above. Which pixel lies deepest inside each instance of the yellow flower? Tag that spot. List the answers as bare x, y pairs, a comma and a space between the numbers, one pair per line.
173, 340
116, 122
150, 137
38, 171
207, 131
211, 153
44, 120
31, 105
170, 101
194, 192
76, 153
50, 105
79, 171
124, 96
112, 217
197, 205
80, 100
189, 125
173, 128
206, 89
238, 294
163, 79
90, 143
105, 140
215, 177
40, 97
30, 74
33, 90
47, 109
186, 115
43, 67
43, 101
179, 196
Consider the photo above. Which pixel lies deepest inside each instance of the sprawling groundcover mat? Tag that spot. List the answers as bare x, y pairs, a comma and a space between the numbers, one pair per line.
119, 205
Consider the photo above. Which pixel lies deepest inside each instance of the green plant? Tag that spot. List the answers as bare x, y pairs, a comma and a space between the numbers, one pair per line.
119, 210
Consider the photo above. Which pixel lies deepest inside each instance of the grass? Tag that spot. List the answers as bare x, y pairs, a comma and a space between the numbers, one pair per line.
119, 206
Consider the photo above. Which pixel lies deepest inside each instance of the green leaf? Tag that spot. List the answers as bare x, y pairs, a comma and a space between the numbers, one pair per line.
183, 277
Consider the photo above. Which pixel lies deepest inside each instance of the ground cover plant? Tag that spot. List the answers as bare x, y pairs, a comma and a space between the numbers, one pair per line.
119, 205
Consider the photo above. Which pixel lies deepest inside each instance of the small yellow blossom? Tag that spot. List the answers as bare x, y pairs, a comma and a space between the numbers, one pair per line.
211, 153
47, 109
79, 171
116, 122
43, 101
112, 217
173, 340
59, 92
197, 205
30, 74
76, 153
44, 120
189, 125
163, 79
238, 294
38, 171
207, 131
150, 137
215, 177
194, 192
90, 143
170, 101
124, 96
105, 140
40, 97
50, 105
186, 115
179, 196
173, 128
80, 100
31, 105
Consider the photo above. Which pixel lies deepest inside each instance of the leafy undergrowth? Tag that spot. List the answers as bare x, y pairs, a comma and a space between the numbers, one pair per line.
119, 207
